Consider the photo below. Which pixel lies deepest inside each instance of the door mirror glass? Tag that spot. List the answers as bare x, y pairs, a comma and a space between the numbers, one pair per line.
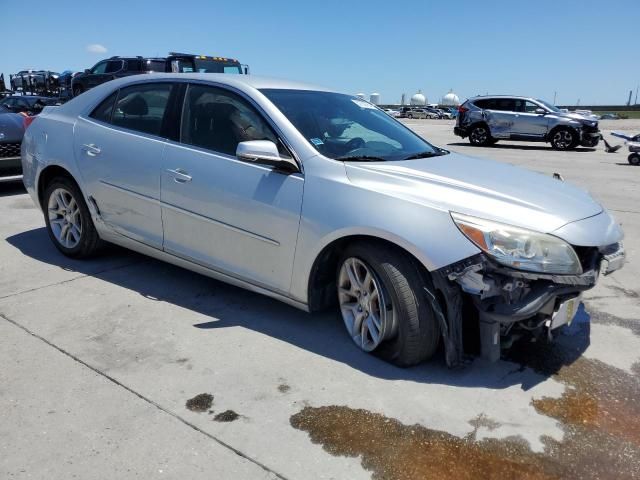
264, 152
540, 111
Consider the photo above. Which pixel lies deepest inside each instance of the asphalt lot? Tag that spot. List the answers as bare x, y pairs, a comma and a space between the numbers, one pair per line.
98, 360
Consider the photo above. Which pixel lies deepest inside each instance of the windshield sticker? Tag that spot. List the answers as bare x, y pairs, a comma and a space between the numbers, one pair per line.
316, 141
363, 104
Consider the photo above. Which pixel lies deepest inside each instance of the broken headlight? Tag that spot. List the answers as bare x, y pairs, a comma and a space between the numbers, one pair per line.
518, 247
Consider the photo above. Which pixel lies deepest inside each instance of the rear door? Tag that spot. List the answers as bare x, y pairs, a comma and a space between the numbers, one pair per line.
238, 218
119, 149
500, 115
527, 123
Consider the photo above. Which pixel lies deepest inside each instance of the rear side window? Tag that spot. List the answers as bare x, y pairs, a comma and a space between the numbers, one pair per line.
485, 103
113, 66
142, 107
134, 65
505, 104
103, 111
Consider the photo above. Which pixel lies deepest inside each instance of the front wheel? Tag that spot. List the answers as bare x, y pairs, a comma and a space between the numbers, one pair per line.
564, 139
68, 219
634, 159
384, 305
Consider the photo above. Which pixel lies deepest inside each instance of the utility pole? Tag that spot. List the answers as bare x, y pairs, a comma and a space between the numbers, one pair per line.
554, 97
636, 100
630, 93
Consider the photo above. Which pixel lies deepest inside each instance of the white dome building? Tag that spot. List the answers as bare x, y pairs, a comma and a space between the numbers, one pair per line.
375, 98
419, 99
450, 99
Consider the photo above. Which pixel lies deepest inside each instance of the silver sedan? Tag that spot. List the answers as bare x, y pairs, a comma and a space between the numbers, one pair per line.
321, 200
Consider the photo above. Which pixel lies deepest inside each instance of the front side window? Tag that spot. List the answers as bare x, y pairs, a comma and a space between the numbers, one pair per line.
530, 107
344, 127
218, 120
99, 68
142, 107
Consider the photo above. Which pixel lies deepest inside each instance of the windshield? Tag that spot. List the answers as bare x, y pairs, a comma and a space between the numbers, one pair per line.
553, 108
344, 127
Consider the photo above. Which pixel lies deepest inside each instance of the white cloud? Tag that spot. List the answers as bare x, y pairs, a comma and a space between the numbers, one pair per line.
96, 48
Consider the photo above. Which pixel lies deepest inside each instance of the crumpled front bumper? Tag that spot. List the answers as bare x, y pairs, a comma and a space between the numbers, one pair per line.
504, 297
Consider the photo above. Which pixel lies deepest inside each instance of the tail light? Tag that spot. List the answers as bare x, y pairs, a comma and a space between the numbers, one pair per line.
27, 120
462, 109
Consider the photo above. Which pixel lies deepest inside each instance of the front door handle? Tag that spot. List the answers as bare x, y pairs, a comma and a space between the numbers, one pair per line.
91, 149
179, 175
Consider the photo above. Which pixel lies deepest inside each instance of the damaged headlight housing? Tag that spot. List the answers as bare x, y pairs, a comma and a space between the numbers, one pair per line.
518, 247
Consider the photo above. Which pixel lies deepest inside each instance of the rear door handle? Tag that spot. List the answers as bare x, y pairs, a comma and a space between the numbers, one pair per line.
179, 175
91, 149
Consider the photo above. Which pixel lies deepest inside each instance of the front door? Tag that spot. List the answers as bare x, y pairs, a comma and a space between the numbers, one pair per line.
238, 218
119, 149
527, 123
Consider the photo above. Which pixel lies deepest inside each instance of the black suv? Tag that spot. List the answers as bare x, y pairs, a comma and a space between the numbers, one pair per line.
116, 67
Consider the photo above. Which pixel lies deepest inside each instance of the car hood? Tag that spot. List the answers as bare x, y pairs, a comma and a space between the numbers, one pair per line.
11, 127
481, 188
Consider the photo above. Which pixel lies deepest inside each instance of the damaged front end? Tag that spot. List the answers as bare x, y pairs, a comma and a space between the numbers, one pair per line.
508, 303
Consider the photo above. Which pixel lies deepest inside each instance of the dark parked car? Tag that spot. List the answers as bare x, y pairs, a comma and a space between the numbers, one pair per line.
12, 127
32, 104
117, 67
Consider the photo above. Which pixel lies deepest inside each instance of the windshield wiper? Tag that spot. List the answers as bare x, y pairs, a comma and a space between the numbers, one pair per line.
361, 158
426, 154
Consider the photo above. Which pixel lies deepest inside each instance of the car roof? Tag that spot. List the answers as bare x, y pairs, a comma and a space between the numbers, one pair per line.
240, 81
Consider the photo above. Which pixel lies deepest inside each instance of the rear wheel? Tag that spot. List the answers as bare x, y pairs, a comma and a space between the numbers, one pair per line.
68, 219
77, 90
634, 159
384, 305
564, 139
480, 135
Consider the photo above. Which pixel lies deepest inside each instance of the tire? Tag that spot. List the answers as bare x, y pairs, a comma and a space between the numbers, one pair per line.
410, 330
564, 139
634, 159
81, 239
480, 135
410, 115
78, 90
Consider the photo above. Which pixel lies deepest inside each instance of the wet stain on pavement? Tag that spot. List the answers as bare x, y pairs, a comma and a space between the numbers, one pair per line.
599, 412
226, 416
283, 388
200, 403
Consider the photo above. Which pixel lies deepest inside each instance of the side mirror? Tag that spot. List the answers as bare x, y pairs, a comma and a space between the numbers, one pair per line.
265, 152
541, 111
86, 70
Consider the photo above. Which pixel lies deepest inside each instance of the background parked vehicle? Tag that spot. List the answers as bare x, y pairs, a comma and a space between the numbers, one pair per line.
12, 127
35, 82
485, 120
420, 113
118, 67
30, 104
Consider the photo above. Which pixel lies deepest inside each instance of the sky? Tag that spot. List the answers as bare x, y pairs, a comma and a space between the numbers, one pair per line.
584, 51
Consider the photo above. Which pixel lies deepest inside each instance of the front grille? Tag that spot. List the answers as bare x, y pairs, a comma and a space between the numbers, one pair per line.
8, 150
590, 129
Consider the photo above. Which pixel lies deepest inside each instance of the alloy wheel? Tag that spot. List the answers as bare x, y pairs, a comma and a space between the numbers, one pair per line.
563, 139
362, 304
64, 218
479, 135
